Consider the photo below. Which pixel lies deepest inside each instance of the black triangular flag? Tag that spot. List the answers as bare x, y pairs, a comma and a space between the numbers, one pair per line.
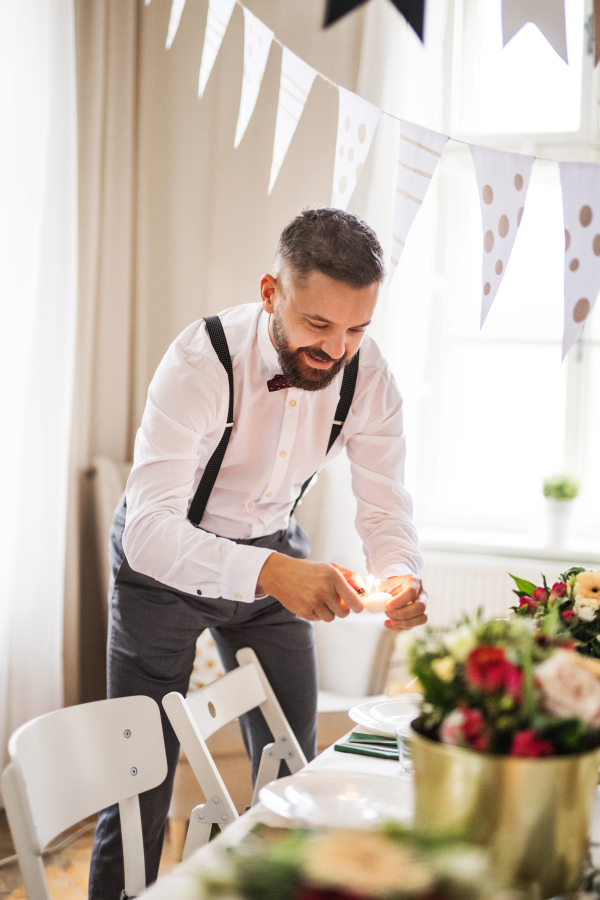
412, 10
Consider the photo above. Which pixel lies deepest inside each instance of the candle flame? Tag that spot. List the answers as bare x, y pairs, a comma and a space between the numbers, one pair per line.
370, 582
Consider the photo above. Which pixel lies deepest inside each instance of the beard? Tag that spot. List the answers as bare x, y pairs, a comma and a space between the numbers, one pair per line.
298, 373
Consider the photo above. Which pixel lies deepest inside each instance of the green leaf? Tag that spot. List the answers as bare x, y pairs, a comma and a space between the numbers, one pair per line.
526, 586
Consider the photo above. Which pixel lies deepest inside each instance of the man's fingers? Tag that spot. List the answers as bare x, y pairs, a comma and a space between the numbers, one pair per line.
413, 611
337, 607
348, 595
354, 579
405, 624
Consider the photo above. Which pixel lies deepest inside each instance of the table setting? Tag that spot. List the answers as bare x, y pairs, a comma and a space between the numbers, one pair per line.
482, 784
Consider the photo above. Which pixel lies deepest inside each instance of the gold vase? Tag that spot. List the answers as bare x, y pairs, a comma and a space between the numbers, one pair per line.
533, 815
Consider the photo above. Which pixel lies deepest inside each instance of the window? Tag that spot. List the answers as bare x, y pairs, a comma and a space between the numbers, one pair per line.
491, 413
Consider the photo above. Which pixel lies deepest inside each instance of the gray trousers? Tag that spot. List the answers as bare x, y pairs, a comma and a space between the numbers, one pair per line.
151, 647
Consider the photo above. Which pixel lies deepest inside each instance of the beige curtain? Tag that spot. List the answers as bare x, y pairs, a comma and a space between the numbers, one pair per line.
174, 223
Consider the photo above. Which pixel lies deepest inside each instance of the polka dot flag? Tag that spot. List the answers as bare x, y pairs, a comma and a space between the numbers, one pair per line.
357, 121
297, 79
581, 210
419, 153
502, 182
219, 14
257, 43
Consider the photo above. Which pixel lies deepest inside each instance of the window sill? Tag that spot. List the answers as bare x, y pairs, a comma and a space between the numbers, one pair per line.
583, 552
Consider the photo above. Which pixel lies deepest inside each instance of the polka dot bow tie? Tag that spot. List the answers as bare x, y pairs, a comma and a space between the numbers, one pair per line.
277, 383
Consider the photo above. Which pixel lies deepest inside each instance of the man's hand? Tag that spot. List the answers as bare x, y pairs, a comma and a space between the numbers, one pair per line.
310, 590
407, 609
354, 579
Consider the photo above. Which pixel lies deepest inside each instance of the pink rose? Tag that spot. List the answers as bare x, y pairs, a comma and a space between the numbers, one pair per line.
465, 727
568, 615
527, 743
559, 589
540, 595
570, 686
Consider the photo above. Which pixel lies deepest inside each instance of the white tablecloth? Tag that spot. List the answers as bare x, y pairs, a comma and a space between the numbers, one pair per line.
182, 883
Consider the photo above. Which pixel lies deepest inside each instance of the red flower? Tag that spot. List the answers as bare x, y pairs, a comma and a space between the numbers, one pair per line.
489, 670
473, 729
568, 615
527, 743
530, 603
559, 589
540, 595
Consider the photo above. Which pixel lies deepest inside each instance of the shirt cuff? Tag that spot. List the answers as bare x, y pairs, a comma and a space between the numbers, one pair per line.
398, 569
241, 570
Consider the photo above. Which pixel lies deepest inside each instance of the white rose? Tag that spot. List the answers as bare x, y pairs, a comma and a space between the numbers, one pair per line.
570, 686
460, 642
585, 611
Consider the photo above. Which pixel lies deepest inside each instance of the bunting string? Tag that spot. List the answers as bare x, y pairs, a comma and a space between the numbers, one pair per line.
502, 177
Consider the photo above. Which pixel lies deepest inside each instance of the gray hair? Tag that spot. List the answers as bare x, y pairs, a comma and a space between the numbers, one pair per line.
333, 242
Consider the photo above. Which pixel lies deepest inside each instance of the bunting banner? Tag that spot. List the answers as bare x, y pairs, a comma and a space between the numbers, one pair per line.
175, 18
580, 183
548, 15
357, 121
419, 153
257, 43
219, 14
502, 182
297, 79
412, 10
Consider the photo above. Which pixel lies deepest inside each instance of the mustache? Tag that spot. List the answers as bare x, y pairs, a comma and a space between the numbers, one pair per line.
320, 354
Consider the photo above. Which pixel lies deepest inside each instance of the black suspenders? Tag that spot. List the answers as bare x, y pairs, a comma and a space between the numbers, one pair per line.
207, 482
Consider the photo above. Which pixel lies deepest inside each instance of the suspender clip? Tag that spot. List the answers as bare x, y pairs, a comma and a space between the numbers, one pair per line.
230, 425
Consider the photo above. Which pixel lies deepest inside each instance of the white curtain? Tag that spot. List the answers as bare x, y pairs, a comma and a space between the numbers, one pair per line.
38, 269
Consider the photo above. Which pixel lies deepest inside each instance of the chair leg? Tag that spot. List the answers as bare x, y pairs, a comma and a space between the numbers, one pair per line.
198, 832
177, 832
267, 771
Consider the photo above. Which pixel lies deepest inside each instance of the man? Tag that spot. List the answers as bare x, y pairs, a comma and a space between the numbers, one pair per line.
239, 416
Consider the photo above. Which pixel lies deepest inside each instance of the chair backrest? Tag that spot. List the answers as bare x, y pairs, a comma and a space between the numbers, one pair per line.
76, 761
226, 699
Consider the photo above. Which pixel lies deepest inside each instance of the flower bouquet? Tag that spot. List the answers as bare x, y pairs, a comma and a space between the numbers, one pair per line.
276, 864
504, 750
571, 604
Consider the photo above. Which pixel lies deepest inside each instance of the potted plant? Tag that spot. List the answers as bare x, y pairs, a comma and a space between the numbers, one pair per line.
505, 750
559, 491
571, 605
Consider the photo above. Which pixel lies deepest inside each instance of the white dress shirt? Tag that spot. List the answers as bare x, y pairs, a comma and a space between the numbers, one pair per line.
278, 440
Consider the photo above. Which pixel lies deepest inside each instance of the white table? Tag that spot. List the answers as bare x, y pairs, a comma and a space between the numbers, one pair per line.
182, 882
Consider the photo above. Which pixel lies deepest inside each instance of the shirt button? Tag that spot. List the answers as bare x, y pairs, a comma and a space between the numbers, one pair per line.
238, 596
268, 495
250, 505
283, 453
292, 402
199, 593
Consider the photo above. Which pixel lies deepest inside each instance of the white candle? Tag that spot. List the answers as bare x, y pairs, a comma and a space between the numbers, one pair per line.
373, 599
376, 602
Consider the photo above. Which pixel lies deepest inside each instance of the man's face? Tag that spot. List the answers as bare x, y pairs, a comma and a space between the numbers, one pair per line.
316, 325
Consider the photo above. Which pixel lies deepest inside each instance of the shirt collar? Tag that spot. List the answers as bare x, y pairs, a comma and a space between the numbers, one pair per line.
268, 351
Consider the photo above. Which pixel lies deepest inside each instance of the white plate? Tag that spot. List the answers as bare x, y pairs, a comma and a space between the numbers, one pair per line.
382, 716
340, 799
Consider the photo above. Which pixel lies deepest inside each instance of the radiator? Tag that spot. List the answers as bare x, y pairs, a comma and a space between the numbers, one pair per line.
458, 583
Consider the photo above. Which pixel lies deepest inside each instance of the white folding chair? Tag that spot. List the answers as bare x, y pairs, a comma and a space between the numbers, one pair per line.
74, 762
194, 720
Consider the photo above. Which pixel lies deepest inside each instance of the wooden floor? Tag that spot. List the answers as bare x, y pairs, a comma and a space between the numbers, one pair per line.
67, 872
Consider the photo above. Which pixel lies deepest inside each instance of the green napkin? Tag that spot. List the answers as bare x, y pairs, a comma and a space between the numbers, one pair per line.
378, 745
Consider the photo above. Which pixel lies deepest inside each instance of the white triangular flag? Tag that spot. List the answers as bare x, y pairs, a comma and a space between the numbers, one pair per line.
257, 43
581, 209
176, 10
548, 15
294, 87
502, 181
219, 14
357, 121
419, 153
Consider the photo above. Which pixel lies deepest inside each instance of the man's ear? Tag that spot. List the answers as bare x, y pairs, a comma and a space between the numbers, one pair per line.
268, 286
